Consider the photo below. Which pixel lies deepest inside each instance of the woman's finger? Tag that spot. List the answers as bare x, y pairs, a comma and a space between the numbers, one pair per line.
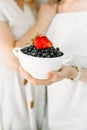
34, 80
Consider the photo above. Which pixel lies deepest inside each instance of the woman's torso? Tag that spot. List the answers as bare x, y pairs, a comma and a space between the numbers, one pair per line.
69, 32
13, 106
67, 100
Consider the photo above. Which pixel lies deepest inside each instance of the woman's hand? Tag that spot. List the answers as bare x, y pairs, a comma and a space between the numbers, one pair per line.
46, 13
52, 77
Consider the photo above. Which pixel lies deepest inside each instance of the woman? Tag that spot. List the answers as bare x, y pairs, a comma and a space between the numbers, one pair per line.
17, 27
67, 94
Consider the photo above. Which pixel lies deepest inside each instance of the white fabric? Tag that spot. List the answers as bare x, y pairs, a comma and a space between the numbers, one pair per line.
67, 100
14, 114
18, 20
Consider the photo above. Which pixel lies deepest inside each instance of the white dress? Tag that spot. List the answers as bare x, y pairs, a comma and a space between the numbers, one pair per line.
14, 114
67, 100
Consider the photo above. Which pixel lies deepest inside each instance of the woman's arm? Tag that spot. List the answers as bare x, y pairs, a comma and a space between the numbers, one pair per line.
45, 16
84, 75
7, 40
7, 43
55, 76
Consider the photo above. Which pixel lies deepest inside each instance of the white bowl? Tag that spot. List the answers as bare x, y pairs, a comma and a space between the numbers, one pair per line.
39, 67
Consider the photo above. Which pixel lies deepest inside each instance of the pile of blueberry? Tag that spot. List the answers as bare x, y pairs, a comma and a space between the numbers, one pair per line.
48, 52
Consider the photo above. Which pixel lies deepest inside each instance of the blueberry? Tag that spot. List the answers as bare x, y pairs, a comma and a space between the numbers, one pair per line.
39, 52
52, 55
57, 49
59, 53
48, 56
44, 54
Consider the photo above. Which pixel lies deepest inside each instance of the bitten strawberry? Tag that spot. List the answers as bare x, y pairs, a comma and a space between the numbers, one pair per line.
42, 42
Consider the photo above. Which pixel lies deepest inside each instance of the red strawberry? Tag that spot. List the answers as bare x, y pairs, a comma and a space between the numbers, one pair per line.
42, 42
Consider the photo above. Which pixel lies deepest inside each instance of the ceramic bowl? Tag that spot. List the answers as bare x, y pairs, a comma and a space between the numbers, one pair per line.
39, 67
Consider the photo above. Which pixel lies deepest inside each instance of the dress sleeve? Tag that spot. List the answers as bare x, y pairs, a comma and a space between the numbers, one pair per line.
2, 17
